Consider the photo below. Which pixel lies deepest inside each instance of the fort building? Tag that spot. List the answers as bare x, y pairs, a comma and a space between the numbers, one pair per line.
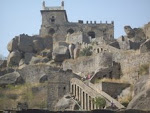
55, 23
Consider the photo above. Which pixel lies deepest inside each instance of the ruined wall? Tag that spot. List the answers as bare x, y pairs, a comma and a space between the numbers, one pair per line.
130, 61
77, 37
33, 73
88, 64
58, 86
113, 89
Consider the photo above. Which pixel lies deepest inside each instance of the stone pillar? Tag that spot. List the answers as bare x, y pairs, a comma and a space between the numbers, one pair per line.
91, 103
71, 88
76, 92
81, 98
79, 94
88, 107
85, 101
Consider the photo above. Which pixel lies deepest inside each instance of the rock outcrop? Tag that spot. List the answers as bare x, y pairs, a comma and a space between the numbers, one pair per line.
129, 31
141, 101
13, 44
145, 47
11, 78
65, 103
14, 58
60, 53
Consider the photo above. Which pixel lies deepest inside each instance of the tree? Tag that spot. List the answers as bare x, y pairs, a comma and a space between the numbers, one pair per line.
100, 102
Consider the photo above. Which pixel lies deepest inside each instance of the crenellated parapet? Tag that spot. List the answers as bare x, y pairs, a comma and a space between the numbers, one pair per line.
44, 7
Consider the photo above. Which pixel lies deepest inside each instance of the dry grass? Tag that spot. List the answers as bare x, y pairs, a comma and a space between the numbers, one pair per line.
125, 100
11, 95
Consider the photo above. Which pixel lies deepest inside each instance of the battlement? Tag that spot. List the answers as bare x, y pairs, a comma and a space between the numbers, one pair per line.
55, 23
44, 7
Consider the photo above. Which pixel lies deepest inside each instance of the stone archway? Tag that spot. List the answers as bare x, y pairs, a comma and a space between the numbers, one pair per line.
70, 31
91, 34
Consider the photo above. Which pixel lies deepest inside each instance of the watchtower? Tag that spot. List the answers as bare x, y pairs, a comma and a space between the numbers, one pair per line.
53, 15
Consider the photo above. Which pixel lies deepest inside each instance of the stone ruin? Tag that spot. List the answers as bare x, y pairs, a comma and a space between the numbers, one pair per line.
49, 57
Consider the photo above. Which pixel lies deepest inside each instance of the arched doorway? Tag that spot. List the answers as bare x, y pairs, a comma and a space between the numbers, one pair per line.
91, 34
70, 31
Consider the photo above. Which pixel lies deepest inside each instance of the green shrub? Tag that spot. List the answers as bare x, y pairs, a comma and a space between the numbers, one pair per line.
100, 102
144, 69
87, 51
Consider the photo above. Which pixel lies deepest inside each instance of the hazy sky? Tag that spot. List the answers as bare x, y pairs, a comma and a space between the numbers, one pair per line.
23, 16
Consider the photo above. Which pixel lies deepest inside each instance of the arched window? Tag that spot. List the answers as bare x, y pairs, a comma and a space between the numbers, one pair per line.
70, 31
52, 19
51, 31
91, 34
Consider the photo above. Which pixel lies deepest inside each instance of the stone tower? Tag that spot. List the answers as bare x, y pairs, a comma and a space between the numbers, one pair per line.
55, 24
52, 16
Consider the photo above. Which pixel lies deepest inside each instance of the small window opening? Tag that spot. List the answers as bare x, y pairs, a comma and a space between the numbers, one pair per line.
70, 31
53, 19
91, 34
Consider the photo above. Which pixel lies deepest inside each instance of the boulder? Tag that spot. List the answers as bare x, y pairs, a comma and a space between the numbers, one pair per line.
65, 102
28, 57
141, 98
129, 31
3, 63
22, 62
115, 44
11, 78
36, 60
6, 71
140, 101
14, 58
139, 35
38, 45
46, 53
25, 43
60, 54
48, 43
13, 44
145, 47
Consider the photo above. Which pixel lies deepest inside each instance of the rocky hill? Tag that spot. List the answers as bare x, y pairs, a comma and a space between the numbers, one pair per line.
39, 70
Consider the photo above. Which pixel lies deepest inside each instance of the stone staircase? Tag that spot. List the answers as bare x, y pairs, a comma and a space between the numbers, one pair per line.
85, 92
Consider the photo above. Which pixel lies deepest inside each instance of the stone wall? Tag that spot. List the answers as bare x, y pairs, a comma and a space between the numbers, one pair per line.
88, 64
77, 37
58, 86
130, 61
113, 89
33, 73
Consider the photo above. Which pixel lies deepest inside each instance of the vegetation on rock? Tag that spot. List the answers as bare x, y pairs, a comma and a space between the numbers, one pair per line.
87, 51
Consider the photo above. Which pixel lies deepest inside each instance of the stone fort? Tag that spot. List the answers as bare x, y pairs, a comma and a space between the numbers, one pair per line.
54, 57
55, 23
